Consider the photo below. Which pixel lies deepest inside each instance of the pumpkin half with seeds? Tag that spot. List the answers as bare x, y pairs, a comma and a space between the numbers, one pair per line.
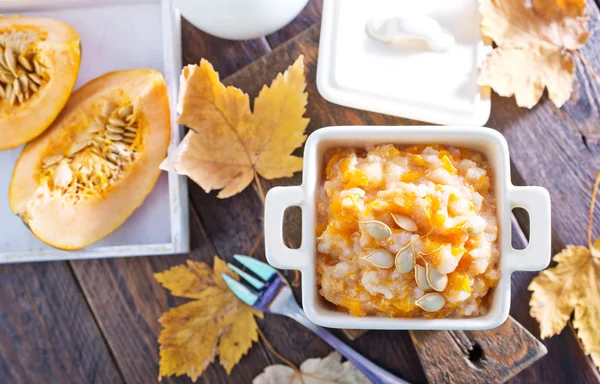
39, 62
83, 177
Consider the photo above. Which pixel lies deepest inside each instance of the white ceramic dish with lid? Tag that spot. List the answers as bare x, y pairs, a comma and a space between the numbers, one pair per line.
440, 87
535, 200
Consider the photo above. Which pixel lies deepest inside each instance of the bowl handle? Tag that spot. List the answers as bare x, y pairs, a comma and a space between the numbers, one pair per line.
536, 201
278, 254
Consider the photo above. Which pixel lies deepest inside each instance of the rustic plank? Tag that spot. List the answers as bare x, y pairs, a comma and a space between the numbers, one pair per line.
228, 55
476, 357
310, 15
564, 359
127, 302
238, 221
491, 356
46, 329
558, 149
232, 223
123, 294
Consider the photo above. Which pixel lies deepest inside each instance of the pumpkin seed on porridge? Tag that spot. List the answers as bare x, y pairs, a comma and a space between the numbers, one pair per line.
407, 232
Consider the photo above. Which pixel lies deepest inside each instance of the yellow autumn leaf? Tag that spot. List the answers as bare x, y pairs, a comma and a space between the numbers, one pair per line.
228, 145
534, 39
216, 322
572, 285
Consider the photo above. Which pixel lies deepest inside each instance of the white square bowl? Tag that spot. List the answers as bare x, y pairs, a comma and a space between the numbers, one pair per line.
535, 200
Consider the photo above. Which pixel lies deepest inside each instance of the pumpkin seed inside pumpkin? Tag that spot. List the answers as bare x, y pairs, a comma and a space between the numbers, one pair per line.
19, 67
111, 143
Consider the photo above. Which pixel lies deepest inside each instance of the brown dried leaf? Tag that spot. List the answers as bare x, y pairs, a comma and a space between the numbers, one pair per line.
533, 40
572, 285
215, 323
329, 369
228, 144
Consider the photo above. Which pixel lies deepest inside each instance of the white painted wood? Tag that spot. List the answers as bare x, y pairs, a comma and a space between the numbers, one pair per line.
114, 35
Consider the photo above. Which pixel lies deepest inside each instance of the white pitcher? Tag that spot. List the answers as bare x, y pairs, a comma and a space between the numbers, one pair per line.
239, 19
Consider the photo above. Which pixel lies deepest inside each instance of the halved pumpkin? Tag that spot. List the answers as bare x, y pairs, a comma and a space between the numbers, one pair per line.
82, 178
39, 62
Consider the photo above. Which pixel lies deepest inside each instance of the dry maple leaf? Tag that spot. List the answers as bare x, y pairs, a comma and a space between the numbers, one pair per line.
573, 285
215, 323
329, 369
534, 39
228, 144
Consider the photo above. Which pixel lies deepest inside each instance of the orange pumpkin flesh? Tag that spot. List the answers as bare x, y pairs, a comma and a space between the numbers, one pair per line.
45, 87
102, 193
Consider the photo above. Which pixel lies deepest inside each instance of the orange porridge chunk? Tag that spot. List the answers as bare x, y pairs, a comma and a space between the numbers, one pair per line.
402, 305
464, 263
353, 306
344, 165
465, 153
411, 176
483, 184
416, 149
418, 161
391, 152
430, 211
448, 166
356, 179
403, 205
458, 282
336, 207
332, 162
320, 228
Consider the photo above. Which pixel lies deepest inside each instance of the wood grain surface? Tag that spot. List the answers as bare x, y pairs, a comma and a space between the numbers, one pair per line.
96, 321
323, 114
47, 332
475, 357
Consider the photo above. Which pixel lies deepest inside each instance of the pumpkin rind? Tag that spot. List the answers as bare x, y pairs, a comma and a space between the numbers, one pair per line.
72, 225
60, 54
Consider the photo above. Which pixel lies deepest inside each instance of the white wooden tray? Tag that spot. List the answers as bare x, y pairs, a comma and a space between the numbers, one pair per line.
114, 35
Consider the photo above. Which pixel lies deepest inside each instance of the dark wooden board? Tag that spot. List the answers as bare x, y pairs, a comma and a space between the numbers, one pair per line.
127, 302
47, 332
231, 55
310, 15
228, 217
475, 357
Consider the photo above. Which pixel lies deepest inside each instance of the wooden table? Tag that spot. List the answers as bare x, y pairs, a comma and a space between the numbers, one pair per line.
96, 320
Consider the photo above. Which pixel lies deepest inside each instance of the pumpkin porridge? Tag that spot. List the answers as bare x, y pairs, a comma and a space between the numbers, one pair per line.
407, 232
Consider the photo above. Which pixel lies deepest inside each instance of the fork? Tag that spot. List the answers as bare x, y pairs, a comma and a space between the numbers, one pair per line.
273, 294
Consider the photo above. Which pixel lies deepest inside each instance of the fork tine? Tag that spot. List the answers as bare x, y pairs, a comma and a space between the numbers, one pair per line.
262, 270
249, 279
240, 290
